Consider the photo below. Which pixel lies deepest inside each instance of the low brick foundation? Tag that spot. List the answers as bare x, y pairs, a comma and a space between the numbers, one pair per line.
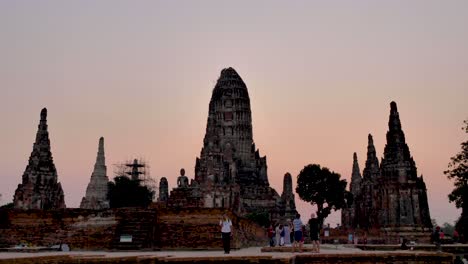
396, 258
158, 228
84, 229
199, 229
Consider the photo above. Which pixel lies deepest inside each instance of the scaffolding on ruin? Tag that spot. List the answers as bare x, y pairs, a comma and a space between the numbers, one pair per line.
137, 169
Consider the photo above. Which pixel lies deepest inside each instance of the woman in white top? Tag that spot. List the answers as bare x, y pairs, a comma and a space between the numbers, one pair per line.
226, 229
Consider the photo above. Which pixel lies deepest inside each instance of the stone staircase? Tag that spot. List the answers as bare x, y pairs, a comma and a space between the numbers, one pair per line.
135, 229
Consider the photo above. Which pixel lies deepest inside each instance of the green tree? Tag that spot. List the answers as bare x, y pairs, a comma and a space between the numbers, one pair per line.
458, 171
125, 192
324, 188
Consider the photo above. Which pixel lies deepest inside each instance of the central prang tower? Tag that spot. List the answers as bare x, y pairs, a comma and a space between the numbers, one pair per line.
230, 173
228, 154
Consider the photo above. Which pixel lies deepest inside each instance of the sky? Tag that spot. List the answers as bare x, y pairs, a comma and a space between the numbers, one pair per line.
321, 76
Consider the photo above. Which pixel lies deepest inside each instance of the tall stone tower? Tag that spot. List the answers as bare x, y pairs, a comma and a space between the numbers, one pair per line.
405, 191
96, 193
228, 154
230, 173
40, 188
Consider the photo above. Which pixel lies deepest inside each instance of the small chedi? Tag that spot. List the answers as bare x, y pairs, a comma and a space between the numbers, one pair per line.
96, 192
391, 197
163, 190
287, 197
40, 188
230, 173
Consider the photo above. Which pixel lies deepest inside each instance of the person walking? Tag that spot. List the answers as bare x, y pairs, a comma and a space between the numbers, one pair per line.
435, 238
314, 233
271, 235
226, 232
297, 223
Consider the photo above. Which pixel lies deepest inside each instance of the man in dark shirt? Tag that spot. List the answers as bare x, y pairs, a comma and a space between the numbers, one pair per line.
314, 233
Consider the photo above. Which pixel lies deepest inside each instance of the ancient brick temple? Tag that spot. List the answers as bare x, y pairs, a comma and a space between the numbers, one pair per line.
96, 192
40, 188
390, 197
230, 173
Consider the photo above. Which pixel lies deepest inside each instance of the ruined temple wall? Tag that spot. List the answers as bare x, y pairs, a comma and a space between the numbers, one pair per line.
198, 228
192, 228
83, 229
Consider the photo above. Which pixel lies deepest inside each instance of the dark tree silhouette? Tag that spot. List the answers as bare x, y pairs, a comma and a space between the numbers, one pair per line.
260, 217
324, 188
125, 192
458, 171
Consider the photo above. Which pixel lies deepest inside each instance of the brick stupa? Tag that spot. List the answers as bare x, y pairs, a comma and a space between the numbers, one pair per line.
96, 192
40, 188
392, 198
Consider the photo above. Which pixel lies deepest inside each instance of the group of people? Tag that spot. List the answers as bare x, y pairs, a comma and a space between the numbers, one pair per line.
280, 235
294, 233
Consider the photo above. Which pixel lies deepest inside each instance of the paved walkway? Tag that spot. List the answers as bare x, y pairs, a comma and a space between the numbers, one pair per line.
253, 251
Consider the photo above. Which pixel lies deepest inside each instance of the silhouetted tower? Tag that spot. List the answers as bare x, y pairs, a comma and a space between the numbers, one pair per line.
40, 188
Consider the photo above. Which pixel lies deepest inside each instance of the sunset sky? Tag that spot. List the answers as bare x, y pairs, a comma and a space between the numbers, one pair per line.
321, 76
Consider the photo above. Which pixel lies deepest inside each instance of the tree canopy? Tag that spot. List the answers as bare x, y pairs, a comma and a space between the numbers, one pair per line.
125, 192
458, 171
324, 188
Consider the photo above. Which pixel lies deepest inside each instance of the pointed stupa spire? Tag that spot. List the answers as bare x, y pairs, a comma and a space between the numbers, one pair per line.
42, 135
371, 170
96, 192
394, 123
44, 114
396, 150
395, 134
40, 188
355, 176
101, 159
